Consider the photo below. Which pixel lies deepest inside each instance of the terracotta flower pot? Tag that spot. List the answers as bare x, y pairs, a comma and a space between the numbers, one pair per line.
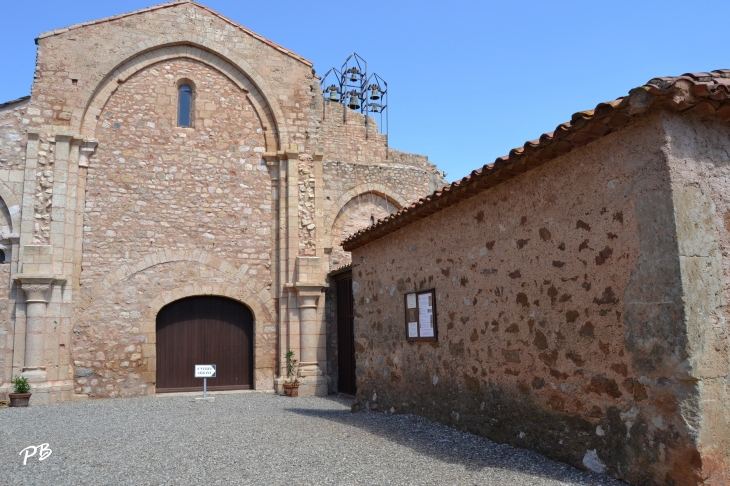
291, 390
19, 399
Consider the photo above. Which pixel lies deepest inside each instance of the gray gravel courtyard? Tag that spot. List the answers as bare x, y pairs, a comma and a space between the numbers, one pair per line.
256, 438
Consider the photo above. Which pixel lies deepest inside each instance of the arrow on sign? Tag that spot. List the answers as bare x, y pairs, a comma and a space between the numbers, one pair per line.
204, 371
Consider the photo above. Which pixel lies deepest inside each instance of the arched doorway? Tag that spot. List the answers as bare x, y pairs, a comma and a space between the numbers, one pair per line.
204, 330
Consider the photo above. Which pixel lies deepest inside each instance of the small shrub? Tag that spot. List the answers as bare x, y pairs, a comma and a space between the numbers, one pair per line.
20, 384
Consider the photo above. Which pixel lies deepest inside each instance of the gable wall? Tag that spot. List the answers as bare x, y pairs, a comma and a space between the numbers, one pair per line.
129, 214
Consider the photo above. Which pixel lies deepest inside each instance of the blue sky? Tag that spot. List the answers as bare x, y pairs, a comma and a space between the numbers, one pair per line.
469, 80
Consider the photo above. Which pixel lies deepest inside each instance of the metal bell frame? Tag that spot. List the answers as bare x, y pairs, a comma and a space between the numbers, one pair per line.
352, 87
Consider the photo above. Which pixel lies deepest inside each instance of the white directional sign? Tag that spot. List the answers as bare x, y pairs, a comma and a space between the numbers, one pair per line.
204, 371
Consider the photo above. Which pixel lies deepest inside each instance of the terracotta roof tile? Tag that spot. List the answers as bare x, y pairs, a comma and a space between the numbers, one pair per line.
706, 94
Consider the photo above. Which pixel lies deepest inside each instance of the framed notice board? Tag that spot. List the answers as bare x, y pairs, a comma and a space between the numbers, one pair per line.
421, 315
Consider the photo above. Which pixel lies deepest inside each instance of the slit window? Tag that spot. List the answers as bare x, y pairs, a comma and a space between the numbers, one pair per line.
185, 106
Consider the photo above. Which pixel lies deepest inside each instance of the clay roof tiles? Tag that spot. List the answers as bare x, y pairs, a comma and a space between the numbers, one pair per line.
172, 4
707, 94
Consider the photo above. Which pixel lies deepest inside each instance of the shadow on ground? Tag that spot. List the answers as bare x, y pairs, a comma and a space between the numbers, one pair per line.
453, 446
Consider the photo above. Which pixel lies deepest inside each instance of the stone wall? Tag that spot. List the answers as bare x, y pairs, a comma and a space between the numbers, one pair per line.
699, 161
354, 193
74, 63
13, 119
132, 212
154, 186
560, 313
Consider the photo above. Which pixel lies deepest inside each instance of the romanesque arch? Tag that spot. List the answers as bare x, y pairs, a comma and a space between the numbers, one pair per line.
355, 210
215, 56
13, 208
204, 329
353, 193
252, 294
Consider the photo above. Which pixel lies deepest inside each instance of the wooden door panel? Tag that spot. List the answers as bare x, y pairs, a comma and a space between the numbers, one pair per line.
204, 330
345, 336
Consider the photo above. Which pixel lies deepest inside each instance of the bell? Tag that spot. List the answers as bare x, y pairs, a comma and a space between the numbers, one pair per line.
354, 103
374, 107
333, 95
374, 94
353, 74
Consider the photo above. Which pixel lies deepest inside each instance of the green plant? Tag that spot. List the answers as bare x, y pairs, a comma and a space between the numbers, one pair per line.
291, 367
20, 384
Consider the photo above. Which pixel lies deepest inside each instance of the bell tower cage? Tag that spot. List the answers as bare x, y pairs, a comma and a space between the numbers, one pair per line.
352, 87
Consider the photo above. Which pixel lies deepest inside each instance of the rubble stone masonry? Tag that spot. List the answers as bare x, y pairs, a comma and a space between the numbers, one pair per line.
580, 307
109, 211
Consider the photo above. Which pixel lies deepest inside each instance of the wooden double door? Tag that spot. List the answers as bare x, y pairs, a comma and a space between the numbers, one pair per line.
346, 382
204, 330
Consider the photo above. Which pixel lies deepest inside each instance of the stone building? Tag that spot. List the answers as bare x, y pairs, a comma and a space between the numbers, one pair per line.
174, 190
579, 292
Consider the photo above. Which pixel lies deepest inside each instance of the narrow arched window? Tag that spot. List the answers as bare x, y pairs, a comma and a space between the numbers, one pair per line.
2, 256
372, 220
185, 105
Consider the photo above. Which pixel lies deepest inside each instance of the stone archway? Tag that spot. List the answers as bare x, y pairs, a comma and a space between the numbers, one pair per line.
204, 329
11, 210
359, 212
231, 65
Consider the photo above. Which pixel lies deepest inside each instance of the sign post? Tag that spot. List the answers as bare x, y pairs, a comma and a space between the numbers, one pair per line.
205, 372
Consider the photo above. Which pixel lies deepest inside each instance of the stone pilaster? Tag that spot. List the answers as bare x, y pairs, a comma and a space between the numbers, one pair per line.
309, 287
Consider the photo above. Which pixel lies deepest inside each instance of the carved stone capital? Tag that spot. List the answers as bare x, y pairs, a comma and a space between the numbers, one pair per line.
87, 149
37, 288
308, 294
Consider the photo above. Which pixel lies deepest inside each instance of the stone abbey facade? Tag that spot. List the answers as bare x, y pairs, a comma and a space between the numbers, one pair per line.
110, 210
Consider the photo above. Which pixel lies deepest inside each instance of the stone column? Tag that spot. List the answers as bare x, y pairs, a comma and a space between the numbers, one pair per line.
37, 290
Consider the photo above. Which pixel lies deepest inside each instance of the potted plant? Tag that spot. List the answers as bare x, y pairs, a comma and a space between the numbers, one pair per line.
291, 386
21, 394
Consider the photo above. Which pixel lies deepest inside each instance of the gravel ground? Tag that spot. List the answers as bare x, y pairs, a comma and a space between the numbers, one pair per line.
257, 438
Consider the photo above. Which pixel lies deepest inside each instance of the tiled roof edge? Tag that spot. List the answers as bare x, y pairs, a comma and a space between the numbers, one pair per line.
13, 102
707, 94
173, 4
341, 269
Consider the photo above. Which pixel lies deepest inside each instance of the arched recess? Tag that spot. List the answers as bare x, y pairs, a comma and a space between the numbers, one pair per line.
237, 70
264, 330
144, 327
353, 193
255, 294
13, 207
358, 212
